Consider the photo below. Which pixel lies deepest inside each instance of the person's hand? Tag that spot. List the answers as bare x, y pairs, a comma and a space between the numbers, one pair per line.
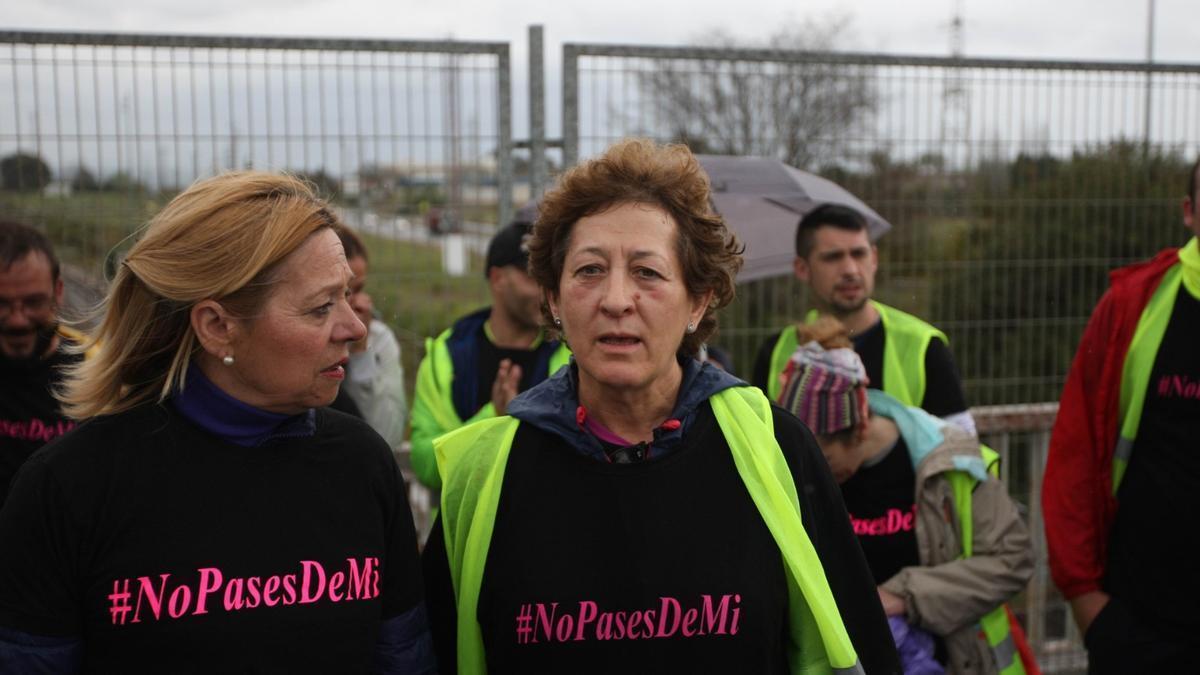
504, 387
1086, 607
893, 605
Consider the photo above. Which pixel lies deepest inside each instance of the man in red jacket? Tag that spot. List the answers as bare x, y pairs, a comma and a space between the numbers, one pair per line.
1126, 434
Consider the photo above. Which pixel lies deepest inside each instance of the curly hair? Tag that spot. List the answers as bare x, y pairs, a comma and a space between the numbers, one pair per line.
642, 171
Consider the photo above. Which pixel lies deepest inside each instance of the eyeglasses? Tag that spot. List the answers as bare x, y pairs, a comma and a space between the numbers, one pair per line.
32, 304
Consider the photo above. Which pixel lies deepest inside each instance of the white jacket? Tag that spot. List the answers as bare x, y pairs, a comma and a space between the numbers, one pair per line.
375, 382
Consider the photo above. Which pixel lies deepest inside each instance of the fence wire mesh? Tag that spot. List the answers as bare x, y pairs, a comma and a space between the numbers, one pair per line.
1013, 186
411, 141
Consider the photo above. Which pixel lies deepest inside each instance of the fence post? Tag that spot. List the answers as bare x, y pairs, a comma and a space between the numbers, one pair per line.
504, 178
1036, 619
537, 112
570, 111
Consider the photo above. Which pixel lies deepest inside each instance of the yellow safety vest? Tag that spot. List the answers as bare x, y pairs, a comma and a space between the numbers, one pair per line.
473, 459
1139, 362
906, 341
994, 624
433, 402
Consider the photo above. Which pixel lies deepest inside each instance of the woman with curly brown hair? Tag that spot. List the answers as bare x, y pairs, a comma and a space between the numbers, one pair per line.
640, 511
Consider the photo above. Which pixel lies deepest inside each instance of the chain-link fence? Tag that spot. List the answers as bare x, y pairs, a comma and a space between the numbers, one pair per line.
1013, 186
411, 140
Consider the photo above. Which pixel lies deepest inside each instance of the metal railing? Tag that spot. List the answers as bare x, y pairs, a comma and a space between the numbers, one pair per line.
1021, 436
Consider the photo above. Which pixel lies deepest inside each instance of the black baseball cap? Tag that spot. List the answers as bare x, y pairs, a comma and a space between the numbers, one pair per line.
509, 247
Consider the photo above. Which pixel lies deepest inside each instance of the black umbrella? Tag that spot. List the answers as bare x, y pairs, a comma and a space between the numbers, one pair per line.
762, 200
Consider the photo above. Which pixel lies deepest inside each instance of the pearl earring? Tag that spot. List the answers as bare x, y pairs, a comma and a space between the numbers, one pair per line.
557, 322
691, 328
227, 360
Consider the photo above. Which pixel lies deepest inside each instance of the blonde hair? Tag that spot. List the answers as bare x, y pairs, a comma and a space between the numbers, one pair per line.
224, 239
826, 331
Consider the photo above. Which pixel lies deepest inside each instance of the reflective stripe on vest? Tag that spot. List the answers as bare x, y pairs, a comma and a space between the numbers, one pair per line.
996, 629
1139, 362
473, 460
906, 340
437, 378
744, 416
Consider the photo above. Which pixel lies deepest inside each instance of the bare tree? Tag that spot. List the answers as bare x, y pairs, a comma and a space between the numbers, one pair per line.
766, 103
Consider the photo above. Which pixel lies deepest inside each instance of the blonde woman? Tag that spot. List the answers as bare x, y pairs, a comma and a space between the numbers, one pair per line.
211, 516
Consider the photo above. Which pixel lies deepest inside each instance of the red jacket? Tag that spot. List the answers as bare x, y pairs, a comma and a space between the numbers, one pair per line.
1077, 501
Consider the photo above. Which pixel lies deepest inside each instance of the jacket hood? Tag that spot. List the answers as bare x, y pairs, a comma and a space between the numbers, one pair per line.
935, 445
552, 405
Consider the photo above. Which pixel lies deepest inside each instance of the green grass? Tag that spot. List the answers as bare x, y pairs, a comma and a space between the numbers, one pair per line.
85, 227
411, 291
416, 297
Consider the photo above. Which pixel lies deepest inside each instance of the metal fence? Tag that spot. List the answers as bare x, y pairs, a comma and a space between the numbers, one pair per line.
1021, 435
1013, 185
411, 139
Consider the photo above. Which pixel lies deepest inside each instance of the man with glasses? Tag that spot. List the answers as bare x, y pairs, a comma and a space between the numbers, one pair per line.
33, 347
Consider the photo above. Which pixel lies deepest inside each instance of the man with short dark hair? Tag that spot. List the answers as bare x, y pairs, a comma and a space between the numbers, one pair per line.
33, 347
1122, 478
477, 366
903, 355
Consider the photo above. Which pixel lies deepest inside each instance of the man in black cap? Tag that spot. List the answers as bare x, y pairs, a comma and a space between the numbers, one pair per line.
474, 368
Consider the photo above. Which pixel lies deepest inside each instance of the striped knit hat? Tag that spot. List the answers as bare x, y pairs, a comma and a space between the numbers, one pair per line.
825, 388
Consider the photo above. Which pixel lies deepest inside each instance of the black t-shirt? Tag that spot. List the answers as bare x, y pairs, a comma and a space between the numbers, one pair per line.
881, 500
166, 549
943, 389
1148, 567
490, 357
30, 416
663, 565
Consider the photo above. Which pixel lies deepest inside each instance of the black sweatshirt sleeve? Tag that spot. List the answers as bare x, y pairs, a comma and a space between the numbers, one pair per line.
39, 551
762, 364
828, 526
943, 389
439, 598
403, 588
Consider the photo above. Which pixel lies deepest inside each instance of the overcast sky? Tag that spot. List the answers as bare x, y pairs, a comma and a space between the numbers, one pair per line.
1111, 30
1059, 29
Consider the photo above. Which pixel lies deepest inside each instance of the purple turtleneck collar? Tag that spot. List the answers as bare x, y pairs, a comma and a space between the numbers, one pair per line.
222, 415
